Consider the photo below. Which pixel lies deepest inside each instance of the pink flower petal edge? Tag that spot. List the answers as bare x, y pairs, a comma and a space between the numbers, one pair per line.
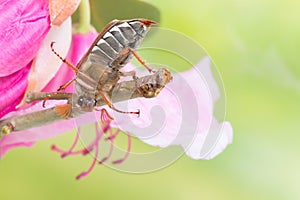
15, 145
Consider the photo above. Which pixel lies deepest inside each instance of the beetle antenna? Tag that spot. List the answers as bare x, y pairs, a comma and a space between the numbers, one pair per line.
62, 59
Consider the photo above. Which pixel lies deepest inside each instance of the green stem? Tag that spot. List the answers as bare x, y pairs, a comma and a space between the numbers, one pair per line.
84, 17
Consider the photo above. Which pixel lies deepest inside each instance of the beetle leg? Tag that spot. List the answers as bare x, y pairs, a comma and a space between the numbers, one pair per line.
64, 60
130, 73
64, 86
134, 77
63, 111
107, 100
134, 53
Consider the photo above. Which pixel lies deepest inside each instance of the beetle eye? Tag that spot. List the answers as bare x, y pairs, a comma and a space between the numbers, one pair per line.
80, 101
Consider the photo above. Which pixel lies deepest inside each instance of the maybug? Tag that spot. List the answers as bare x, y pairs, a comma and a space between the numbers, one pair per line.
99, 69
97, 75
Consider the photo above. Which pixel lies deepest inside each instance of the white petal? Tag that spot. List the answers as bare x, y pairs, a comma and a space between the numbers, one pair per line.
46, 63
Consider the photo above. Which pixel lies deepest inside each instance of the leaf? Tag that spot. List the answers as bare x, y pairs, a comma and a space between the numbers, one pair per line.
104, 11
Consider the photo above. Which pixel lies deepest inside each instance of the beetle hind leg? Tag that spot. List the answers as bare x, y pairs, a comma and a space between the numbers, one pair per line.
134, 53
107, 100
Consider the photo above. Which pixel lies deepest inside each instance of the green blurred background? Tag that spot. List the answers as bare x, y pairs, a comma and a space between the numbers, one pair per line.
255, 45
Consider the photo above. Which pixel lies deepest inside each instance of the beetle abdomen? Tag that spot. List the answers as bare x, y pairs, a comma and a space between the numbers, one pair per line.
124, 34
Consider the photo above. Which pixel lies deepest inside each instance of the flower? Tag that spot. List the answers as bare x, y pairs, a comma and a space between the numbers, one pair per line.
181, 115
23, 27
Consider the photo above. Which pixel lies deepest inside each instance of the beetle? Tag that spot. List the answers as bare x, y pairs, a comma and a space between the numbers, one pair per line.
100, 68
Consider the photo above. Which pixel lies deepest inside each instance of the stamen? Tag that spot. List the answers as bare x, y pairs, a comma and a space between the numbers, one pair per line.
112, 136
105, 127
70, 151
95, 144
127, 152
73, 145
61, 151
85, 173
56, 149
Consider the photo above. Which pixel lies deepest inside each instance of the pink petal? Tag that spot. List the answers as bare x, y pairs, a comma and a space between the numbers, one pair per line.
221, 136
12, 88
23, 26
182, 114
80, 44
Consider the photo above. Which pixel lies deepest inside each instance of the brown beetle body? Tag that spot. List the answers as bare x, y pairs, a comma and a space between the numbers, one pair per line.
99, 70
